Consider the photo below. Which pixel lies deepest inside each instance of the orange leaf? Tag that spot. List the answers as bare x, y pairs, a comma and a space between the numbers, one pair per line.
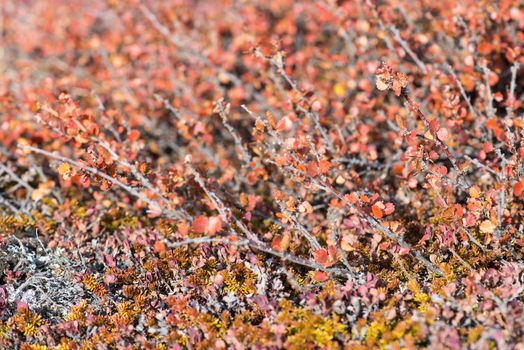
351, 198
348, 243
66, 171
339, 90
305, 207
182, 229
276, 244
518, 188
493, 78
377, 212
133, 135
364, 198
324, 166
474, 191
63, 168
43, 190
160, 246
487, 226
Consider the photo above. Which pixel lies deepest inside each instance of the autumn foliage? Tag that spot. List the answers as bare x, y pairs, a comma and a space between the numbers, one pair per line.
262, 174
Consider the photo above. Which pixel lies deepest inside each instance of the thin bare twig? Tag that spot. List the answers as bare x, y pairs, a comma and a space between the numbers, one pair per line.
170, 213
462, 91
223, 109
252, 240
405, 46
143, 180
278, 62
489, 95
334, 222
312, 240
17, 178
512, 87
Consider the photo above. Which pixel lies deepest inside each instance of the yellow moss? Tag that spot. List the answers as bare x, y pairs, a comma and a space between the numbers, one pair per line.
77, 312
373, 332
420, 297
87, 345
28, 322
474, 334
94, 286
4, 329
39, 347
306, 330
240, 280
384, 335
10, 224
63, 346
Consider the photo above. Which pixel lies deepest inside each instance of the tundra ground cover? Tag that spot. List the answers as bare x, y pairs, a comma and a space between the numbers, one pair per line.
311, 174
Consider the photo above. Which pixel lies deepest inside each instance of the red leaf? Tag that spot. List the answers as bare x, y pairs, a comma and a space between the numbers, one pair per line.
312, 169
403, 251
434, 125
281, 243
320, 276
488, 147
207, 225
284, 124
518, 188
22, 306
321, 256
133, 135
442, 170
110, 279
199, 225
390, 208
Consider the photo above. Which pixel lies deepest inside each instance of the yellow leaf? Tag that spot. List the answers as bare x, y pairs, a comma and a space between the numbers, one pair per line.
487, 226
66, 171
63, 168
347, 243
474, 192
339, 90
428, 135
37, 194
